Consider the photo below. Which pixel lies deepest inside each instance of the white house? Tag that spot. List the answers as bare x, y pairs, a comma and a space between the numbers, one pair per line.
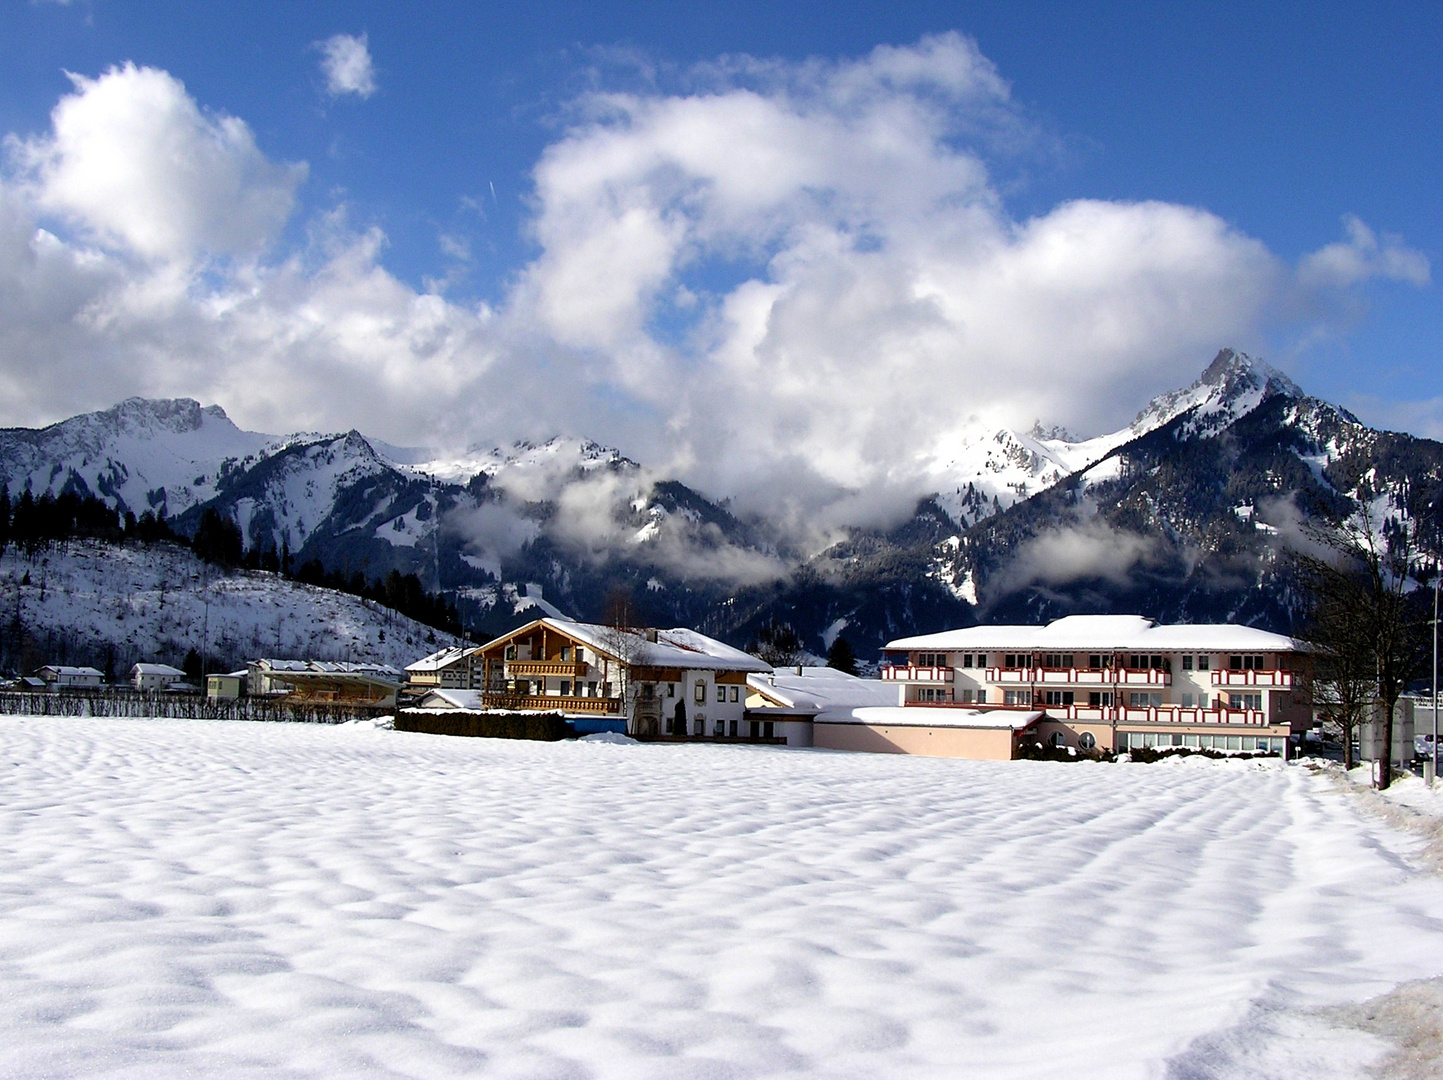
456, 668
155, 676
1117, 681
61, 677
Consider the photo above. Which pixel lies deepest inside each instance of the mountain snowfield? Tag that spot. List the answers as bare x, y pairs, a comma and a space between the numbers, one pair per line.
155, 603
246, 900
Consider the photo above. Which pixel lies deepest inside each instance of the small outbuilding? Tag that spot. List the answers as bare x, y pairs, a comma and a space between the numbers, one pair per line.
62, 677
978, 734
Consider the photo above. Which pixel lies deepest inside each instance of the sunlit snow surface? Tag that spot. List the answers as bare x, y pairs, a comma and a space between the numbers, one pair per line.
222, 900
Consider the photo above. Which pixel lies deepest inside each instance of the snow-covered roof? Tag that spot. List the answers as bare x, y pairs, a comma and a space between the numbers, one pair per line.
327, 667
922, 716
465, 700
63, 669
1104, 632
676, 648
818, 688
446, 657
156, 669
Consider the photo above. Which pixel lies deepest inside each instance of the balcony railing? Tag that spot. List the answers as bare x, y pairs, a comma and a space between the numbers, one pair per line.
1122, 714
911, 673
1080, 676
1009, 674
540, 669
1274, 678
594, 706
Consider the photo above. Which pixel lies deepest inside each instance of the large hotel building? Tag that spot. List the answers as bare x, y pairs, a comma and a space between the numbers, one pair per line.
1116, 681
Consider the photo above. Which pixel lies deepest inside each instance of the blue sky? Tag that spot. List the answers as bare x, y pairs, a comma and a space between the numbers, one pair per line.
1276, 122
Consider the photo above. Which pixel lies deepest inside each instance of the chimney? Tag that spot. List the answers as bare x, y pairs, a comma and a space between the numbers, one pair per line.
650, 634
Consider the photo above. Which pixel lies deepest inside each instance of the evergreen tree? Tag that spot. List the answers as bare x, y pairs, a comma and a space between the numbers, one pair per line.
841, 656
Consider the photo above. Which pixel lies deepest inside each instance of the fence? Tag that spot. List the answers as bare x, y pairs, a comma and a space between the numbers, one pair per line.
103, 703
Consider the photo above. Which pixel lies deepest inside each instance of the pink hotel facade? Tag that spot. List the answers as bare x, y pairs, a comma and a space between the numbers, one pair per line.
1116, 681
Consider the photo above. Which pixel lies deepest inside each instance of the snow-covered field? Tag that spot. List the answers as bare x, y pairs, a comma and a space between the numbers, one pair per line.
246, 900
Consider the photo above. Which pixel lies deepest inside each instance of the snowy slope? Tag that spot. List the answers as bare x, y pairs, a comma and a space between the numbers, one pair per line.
155, 603
186, 899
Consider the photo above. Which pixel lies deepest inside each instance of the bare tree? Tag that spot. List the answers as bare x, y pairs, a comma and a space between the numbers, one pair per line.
1365, 618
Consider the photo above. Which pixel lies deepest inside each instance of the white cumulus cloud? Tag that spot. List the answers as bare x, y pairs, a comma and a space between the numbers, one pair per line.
346, 62
792, 284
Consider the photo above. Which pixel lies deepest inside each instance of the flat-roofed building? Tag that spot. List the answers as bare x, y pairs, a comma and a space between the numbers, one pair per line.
1117, 681
325, 682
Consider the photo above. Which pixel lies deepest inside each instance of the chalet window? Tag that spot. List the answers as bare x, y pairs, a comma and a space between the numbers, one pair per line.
1187, 662
591, 689
580, 655
932, 693
967, 659
931, 659
510, 653
1017, 660
1099, 661
968, 696
1202, 701
1202, 662
700, 727
981, 697
1144, 700
1057, 660
700, 695
1246, 662
721, 692
566, 654
1246, 701
720, 729
565, 687
767, 729
1186, 698
606, 689
732, 729
648, 691
736, 693
1017, 697
671, 689
1058, 697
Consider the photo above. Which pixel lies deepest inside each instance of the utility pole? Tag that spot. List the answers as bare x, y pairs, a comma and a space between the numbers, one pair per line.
1435, 675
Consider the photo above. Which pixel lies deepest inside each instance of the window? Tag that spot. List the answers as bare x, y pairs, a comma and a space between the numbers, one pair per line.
700, 726
1057, 660
1144, 700
1058, 740
933, 693
1246, 662
721, 692
1099, 661
1202, 701
510, 653
1017, 660
1202, 662
1246, 701
1187, 663
671, 689
605, 689
733, 729
565, 687
648, 691
932, 659
1017, 697
736, 693
967, 659
981, 697
756, 728
1058, 697
566, 654
720, 728
1087, 741
700, 693
1146, 661
1099, 699
1186, 698
767, 729
968, 696
580, 655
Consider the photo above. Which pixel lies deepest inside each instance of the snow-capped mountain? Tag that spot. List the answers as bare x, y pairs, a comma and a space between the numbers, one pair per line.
1181, 514
987, 471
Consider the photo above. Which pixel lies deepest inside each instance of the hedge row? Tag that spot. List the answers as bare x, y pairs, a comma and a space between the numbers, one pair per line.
540, 727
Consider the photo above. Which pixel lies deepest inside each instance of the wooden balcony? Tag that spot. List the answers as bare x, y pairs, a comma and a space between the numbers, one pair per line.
590, 706
1282, 680
542, 669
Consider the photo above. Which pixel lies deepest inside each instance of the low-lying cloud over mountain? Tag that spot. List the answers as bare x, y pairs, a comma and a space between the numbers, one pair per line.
797, 286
